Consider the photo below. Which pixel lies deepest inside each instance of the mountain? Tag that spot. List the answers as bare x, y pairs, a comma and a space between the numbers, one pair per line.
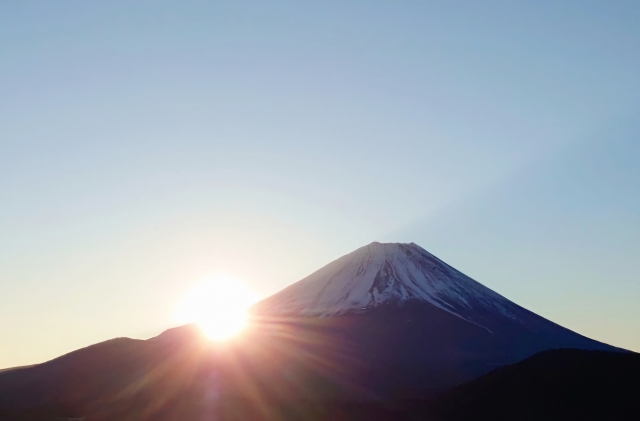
414, 323
379, 327
101, 380
565, 384
388, 274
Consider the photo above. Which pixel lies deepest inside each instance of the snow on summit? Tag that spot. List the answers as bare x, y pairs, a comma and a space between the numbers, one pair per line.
391, 274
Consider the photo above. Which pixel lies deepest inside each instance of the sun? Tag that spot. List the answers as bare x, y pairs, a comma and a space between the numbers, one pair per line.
218, 305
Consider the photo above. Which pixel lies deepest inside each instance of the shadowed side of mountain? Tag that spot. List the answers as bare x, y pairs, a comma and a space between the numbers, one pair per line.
315, 369
565, 384
82, 381
555, 385
415, 324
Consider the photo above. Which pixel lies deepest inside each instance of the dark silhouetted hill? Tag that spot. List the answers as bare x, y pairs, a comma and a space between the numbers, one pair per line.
566, 384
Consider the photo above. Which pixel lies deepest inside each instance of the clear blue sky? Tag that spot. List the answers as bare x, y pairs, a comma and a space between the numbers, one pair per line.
146, 144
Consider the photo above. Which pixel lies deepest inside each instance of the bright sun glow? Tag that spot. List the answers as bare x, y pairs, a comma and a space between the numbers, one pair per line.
218, 305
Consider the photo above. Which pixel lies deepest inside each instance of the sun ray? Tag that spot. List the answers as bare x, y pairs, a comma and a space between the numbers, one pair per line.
218, 306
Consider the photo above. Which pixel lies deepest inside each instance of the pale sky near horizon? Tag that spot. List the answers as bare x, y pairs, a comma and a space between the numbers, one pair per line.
146, 145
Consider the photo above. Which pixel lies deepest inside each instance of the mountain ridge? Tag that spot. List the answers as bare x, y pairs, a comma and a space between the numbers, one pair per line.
395, 274
380, 273
385, 323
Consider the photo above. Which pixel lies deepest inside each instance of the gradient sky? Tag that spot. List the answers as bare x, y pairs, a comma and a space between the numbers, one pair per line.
145, 145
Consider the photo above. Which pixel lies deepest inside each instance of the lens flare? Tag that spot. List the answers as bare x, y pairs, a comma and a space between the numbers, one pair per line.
218, 305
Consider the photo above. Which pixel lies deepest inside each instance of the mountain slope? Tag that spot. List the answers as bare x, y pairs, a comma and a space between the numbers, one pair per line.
566, 384
90, 381
386, 323
385, 274
417, 324
396, 275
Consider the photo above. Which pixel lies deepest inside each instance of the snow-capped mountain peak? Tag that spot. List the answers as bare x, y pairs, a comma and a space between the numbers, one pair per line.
390, 274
